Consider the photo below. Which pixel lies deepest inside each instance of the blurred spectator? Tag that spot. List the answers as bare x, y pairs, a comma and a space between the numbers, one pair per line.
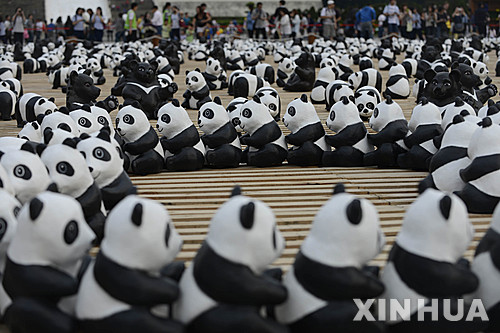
51, 31
68, 26
78, 26
284, 26
417, 25
481, 19
40, 27
131, 23
119, 29
382, 23
175, 25
391, 11
190, 33
98, 22
260, 17
304, 23
442, 18
249, 21
3, 33
365, 18
89, 28
295, 21
18, 26
30, 25
458, 21
157, 20
430, 18
329, 20
201, 20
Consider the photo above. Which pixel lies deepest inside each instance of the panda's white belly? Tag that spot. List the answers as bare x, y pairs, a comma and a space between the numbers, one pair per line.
299, 303
318, 93
93, 302
364, 145
401, 87
447, 177
489, 279
489, 183
429, 146
321, 143
192, 300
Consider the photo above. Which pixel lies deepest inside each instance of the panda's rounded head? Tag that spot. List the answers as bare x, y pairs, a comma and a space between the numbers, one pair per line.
195, 80
93, 64
480, 69
243, 230
459, 133
355, 79
385, 113
287, 65
270, 97
342, 114
165, 80
299, 113
9, 210
424, 113
31, 131
56, 136
213, 66
131, 123
397, 69
140, 235
234, 109
253, 115
452, 109
484, 141
51, 231
85, 120
327, 62
345, 232
212, 116
436, 226
45, 106
103, 118
172, 119
58, 120
366, 98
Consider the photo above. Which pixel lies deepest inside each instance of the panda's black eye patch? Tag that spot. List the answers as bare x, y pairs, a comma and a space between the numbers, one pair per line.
247, 113
65, 168
231, 108
165, 118
101, 154
128, 119
103, 121
370, 105
332, 115
84, 122
361, 107
272, 106
216, 68
3, 228
209, 114
167, 234
71, 232
195, 79
22, 171
291, 111
354, 212
16, 211
375, 112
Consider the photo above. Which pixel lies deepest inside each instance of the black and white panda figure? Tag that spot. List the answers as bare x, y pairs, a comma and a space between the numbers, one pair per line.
30, 105
183, 148
398, 85
69, 172
386, 60
57, 77
229, 281
250, 58
31, 131
307, 133
264, 71
325, 76
8, 101
198, 92
266, 143
451, 110
214, 75
126, 278
336, 90
367, 77
270, 97
344, 67
5, 183
96, 72
9, 211
31, 66
482, 177
85, 120
13, 85
105, 163
232, 78
59, 119
366, 98
246, 85
55, 136
81, 90
222, 144
141, 143
164, 67
327, 258
304, 75
350, 141
426, 262
410, 66
391, 126
46, 256
234, 61
286, 68
365, 63
481, 70
234, 109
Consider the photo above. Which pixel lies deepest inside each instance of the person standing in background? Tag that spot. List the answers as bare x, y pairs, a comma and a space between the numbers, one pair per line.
131, 23
249, 21
78, 25
391, 11
40, 27
3, 33
365, 17
98, 22
295, 21
89, 27
157, 20
442, 18
382, 22
430, 21
284, 25
119, 28
328, 18
51, 31
30, 25
175, 24
18, 26
260, 18
417, 25
481, 19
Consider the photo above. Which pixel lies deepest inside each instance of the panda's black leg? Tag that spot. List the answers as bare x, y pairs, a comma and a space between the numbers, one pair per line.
416, 159
427, 182
477, 201
225, 156
345, 156
386, 156
101, 80
147, 163
306, 155
18, 117
188, 159
269, 155
240, 88
6, 107
96, 223
244, 155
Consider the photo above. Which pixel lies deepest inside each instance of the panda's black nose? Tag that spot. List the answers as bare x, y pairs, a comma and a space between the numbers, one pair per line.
157, 126
91, 169
199, 121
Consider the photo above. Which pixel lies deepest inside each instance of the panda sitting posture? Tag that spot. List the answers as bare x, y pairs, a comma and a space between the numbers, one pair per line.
367, 77
44, 260
326, 75
141, 143
246, 85
366, 98
265, 141
234, 110
30, 105
214, 75
286, 68
124, 283
270, 97
225, 286
304, 74
336, 90
81, 90
85, 121
198, 92
96, 72
397, 86
220, 137
307, 133
264, 71
184, 151
470, 83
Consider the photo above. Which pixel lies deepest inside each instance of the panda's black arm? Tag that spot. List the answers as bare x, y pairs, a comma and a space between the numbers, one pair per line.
187, 138
489, 240
282, 75
423, 133
209, 77
187, 94
393, 80
431, 278
349, 136
312, 132
264, 135
117, 90
304, 73
99, 73
445, 156
200, 94
393, 132
480, 166
146, 142
486, 93
132, 286
225, 134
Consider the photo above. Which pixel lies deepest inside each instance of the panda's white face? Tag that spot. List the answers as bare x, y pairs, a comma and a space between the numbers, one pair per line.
195, 81
103, 118
140, 235
131, 123
60, 120
172, 119
346, 60
234, 110
366, 99
287, 66
93, 65
327, 62
162, 62
436, 226
243, 230
85, 121
484, 140
342, 114
51, 231
459, 134
211, 117
270, 97
480, 69
355, 79
300, 113
45, 107
9, 209
384, 114
253, 116
164, 80
342, 221
250, 56
31, 131
451, 110
213, 67
52, 137
424, 114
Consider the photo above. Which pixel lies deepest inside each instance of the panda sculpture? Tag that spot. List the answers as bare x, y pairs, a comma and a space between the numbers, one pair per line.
350, 141
397, 86
59, 119
234, 61
367, 77
126, 278
44, 261
184, 151
234, 109
31, 131
30, 105
85, 120
164, 67
386, 60
9, 210
451, 110
141, 143
57, 76
226, 284
104, 120
232, 78
286, 68
365, 62
344, 67
270, 97
335, 90
81, 90
13, 85
31, 66
307, 133
246, 85
366, 98
8, 101
425, 263
264, 71
222, 145
214, 75
55, 136
96, 72
325, 76
304, 75
481, 70
327, 258
105, 163
265, 141
410, 65
198, 92
481, 192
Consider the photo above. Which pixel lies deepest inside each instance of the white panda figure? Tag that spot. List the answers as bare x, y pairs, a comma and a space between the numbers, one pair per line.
105, 163
410, 65
327, 258
452, 109
307, 133
482, 177
426, 263
58, 119
85, 120
9, 210
387, 59
344, 66
141, 143
8, 101
264, 71
183, 148
44, 261
265, 141
214, 75
234, 61
234, 110
398, 85
31, 131
30, 105
231, 80
270, 97
350, 141
366, 98
326, 75
126, 280
31, 66
328, 62
335, 90
96, 72
491, 110
250, 58
222, 145
367, 77
481, 70
13, 85
286, 68
197, 92
246, 85
224, 286
58, 76
56, 136
424, 125
164, 67
69, 172
365, 62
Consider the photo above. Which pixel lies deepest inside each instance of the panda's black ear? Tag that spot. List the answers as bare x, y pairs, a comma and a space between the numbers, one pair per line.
464, 113
424, 100
303, 98
86, 107
455, 75
236, 191
429, 75
445, 206
136, 104
39, 118
491, 102
1, 154
29, 147
256, 99
47, 135
64, 110
35, 207
486, 122
104, 135
41, 101
217, 100
247, 213
175, 102
84, 136
39, 148
70, 143
388, 99
354, 212
344, 100
197, 69
137, 215
339, 188
458, 119
187, 72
